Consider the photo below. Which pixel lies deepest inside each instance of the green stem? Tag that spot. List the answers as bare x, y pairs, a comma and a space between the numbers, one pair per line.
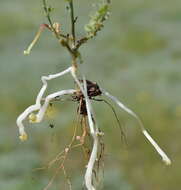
72, 20
45, 7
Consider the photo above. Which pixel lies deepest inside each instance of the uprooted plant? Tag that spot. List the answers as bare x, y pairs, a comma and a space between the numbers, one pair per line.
84, 93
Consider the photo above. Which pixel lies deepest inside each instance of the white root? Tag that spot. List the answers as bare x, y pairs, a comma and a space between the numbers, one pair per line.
43, 109
90, 166
53, 76
37, 105
164, 157
30, 109
94, 132
88, 105
93, 127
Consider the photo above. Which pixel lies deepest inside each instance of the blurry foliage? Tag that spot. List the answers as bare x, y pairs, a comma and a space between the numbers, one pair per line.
141, 53
96, 20
142, 41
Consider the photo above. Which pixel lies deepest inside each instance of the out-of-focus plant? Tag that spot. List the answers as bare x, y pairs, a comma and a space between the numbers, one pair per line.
96, 20
84, 93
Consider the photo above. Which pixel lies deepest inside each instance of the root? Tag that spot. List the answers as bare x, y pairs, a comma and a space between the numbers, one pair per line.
62, 157
164, 157
86, 92
123, 135
84, 130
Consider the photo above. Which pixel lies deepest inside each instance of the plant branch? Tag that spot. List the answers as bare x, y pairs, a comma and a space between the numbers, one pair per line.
47, 12
73, 20
81, 42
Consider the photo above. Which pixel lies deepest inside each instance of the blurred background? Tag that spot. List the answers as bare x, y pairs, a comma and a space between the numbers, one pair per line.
136, 57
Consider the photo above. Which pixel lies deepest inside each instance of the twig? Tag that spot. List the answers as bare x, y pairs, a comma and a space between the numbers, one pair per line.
73, 20
37, 36
47, 12
81, 42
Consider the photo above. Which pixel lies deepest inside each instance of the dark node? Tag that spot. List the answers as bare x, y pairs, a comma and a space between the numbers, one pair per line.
92, 91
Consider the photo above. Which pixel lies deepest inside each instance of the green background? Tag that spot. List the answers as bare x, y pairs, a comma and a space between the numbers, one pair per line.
136, 57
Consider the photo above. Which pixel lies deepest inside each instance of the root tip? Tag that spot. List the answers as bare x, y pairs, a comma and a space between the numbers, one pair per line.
26, 52
167, 161
23, 137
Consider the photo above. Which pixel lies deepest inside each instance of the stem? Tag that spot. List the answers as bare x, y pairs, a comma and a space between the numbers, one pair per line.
47, 13
45, 7
72, 20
